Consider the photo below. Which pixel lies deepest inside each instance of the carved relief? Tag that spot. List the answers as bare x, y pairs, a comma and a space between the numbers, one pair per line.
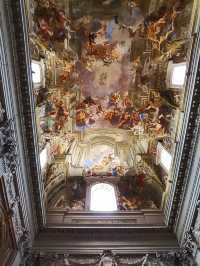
196, 230
8, 155
11, 218
7, 243
8, 146
108, 258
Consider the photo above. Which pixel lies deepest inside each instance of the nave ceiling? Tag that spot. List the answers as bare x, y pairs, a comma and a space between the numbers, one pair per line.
102, 112
106, 105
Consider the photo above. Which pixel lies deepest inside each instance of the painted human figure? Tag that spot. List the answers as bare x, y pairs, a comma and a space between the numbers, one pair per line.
62, 31
99, 109
92, 36
109, 31
81, 118
140, 180
48, 107
45, 30
68, 37
61, 115
125, 120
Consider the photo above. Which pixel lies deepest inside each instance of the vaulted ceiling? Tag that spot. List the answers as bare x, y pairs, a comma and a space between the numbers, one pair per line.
108, 101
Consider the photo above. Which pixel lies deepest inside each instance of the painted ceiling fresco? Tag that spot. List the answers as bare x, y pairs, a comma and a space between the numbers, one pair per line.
105, 102
132, 195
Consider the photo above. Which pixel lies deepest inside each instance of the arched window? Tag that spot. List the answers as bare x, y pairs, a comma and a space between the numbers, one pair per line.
103, 198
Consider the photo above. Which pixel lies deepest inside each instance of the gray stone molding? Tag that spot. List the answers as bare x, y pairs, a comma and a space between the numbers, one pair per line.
13, 153
94, 240
185, 148
86, 219
190, 166
23, 60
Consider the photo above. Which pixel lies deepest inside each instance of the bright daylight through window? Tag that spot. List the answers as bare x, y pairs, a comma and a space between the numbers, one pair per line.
178, 75
103, 198
165, 158
36, 73
43, 158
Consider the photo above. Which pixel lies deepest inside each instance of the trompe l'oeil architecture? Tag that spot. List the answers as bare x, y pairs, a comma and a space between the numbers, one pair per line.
99, 132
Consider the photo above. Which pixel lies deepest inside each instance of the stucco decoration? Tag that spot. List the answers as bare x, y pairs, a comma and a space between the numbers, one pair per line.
107, 258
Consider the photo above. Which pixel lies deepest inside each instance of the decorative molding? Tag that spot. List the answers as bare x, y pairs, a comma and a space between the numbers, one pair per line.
109, 258
186, 147
18, 18
8, 146
14, 170
8, 155
129, 219
196, 229
7, 242
25, 248
10, 160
